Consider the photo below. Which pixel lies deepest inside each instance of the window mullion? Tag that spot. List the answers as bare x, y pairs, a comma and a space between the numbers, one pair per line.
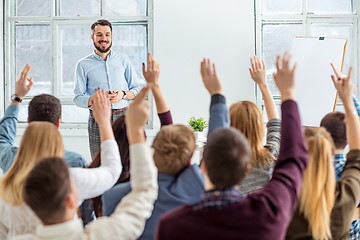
103, 8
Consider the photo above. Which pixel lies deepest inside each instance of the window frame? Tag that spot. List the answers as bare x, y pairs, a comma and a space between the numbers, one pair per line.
306, 18
56, 23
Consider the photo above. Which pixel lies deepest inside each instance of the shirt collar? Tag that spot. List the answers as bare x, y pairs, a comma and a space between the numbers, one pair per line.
100, 58
61, 229
216, 198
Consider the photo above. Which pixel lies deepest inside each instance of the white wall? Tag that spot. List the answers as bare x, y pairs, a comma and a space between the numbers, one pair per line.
185, 32
2, 62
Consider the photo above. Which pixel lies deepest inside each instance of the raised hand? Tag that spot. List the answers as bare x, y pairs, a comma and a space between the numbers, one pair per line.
258, 71
285, 77
101, 108
210, 79
24, 84
137, 116
258, 74
152, 73
343, 84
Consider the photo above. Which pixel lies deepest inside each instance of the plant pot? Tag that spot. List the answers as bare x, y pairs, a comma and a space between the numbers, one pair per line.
199, 136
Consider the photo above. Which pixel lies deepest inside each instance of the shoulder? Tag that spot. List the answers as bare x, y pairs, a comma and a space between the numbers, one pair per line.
74, 159
83, 62
121, 57
192, 177
178, 213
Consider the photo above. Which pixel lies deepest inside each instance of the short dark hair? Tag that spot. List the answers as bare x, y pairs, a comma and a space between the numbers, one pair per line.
44, 108
334, 123
226, 156
101, 22
46, 189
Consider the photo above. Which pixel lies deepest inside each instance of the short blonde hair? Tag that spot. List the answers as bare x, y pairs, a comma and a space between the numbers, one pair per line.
174, 146
317, 194
40, 140
247, 118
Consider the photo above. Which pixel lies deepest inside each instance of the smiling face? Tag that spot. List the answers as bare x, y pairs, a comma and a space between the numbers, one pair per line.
102, 38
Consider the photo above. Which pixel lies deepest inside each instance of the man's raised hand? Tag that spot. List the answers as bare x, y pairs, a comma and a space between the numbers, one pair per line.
210, 79
343, 84
24, 84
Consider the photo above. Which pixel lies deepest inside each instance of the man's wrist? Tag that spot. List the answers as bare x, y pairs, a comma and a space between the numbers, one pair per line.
15, 103
16, 99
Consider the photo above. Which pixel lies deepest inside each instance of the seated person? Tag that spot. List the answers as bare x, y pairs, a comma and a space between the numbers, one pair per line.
51, 193
247, 118
42, 139
42, 107
222, 212
174, 146
334, 123
341, 204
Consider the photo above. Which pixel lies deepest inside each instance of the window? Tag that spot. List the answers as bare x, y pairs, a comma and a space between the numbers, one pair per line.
52, 35
278, 22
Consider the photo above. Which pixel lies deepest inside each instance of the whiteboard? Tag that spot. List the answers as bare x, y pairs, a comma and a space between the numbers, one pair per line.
315, 92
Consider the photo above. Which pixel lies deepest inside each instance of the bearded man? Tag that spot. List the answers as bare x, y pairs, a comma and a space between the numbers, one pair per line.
107, 70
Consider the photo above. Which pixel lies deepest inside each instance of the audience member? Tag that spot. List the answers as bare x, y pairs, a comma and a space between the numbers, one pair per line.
41, 139
51, 193
91, 183
179, 182
312, 216
334, 123
347, 189
223, 213
246, 117
43, 107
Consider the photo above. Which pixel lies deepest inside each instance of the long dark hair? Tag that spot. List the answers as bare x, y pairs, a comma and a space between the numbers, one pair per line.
119, 129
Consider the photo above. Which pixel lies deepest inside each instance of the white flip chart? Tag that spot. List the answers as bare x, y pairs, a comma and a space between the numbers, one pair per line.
315, 92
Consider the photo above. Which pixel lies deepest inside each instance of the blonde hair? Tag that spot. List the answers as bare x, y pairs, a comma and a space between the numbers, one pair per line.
317, 195
40, 140
247, 118
174, 146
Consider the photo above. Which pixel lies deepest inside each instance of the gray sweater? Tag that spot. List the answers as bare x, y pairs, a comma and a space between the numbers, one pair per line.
259, 176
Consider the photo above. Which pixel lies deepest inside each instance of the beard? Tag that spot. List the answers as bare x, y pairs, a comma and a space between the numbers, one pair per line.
100, 49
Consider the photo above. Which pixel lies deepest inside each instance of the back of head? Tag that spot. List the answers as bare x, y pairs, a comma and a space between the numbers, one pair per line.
334, 123
247, 118
40, 140
46, 189
317, 195
226, 156
174, 146
45, 108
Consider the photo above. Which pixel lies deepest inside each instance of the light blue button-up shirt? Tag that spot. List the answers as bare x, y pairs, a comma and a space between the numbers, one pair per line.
116, 73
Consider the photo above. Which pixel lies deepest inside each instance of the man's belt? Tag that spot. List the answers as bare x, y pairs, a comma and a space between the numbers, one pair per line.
115, 111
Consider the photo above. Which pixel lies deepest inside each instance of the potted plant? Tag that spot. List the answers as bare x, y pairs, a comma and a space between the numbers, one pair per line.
198, 125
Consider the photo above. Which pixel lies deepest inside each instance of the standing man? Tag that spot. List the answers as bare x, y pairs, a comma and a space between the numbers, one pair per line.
107, 70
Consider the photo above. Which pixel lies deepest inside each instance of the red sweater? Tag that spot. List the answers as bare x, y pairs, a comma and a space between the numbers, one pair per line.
261, 215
